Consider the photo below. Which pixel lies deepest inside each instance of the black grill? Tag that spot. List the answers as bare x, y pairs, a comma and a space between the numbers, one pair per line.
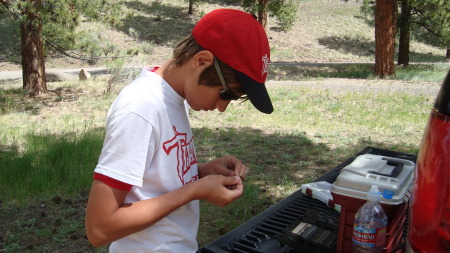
269, 231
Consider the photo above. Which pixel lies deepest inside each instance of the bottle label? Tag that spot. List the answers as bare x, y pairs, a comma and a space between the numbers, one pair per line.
369, 237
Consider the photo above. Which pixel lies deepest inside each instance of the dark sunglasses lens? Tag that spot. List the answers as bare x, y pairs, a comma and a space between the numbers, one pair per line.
227, 95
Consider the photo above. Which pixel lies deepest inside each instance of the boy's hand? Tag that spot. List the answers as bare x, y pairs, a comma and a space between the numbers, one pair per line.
226, 166
220, 190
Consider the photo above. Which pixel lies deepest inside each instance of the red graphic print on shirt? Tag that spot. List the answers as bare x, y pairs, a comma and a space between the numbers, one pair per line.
185, 155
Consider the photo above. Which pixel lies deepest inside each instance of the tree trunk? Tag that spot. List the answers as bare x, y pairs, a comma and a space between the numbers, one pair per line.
385, 23
447, 55
191, 6
404, 24
33, 65
262, 12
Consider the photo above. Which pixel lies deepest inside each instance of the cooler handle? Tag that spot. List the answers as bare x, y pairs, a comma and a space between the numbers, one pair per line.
395, 172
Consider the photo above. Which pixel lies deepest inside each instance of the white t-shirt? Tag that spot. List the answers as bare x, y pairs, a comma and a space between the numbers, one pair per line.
149, 144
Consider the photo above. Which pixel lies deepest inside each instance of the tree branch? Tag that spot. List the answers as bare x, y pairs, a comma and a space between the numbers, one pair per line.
64, 52
426, 27
7, 5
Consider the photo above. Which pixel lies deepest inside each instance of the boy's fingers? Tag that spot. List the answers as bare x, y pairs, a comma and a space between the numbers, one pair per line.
234, 183
239, 185
231, 180
244, 172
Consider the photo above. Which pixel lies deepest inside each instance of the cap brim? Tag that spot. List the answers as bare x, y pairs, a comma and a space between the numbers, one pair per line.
256, 92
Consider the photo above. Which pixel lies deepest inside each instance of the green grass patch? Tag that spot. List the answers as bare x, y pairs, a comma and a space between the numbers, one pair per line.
301, 71
422, 72
14, 100
50, 165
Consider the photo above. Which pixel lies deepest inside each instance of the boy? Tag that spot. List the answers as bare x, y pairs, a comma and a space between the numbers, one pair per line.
147, 183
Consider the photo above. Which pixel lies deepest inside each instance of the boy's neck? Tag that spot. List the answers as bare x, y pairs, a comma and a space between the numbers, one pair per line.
173, 75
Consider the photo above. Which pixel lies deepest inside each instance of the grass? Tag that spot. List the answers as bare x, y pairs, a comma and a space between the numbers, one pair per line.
423, 72
51, 165
414, 72
48, 154
50, 144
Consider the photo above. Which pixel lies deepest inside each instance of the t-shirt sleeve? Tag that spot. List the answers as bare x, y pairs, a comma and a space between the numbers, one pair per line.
112, 182
129, 141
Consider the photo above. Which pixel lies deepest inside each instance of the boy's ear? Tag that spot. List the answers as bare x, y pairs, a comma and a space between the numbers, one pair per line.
203, 59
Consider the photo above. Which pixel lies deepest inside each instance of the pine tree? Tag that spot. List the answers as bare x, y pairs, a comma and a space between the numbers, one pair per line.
424, 20
385, 27
431, 21
284, 10
50, 24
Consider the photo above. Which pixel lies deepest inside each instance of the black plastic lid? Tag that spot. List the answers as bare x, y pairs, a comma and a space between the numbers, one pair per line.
442, 103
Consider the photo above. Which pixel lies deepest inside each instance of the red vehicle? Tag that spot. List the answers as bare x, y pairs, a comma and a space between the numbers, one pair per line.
429, 224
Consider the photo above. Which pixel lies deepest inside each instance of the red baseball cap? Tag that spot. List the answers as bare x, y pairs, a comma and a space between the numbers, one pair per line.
239, 40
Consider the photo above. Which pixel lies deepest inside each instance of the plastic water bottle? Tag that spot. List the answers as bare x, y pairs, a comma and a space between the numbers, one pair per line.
369, 231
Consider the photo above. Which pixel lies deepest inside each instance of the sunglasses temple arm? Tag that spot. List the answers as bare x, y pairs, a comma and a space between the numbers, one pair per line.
219, 72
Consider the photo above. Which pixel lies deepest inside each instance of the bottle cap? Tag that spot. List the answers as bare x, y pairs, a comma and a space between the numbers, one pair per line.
387, 194
373, 194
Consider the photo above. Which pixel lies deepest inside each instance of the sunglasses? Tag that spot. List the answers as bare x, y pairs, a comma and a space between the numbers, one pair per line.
225, 94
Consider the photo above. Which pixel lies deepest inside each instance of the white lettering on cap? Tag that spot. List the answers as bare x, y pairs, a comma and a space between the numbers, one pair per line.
265, 61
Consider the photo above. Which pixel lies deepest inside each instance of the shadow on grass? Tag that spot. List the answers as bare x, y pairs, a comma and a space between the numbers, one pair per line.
44, 188
364, 47
49, 165
9, 40
426, 57
63, 164
346, 44
18, 100
279, 164
285, 71
276, 159
236, 3
43, 192
280, 71
162, 24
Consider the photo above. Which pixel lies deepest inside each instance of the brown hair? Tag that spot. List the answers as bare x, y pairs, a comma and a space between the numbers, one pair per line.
187, 48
